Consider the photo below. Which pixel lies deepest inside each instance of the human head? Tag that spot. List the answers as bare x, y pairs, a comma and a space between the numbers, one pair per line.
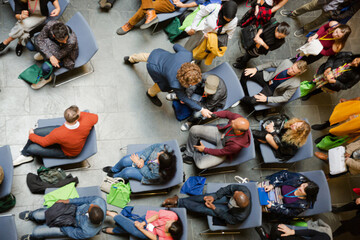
60, 32
211, 84
241, 199
229, 10
167, 163
297, 133
72, 114
188, 74
297, 68
175, 228
341, 33
282, 30
310, 189
240, 125
96, 214
356, 62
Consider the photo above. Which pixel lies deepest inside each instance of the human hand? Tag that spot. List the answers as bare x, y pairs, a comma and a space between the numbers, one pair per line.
140, 163
182, 102
200, 148
206, 35
286, 230
342, 100
209, 199
139, 225
55, 12
62, 201
24, 14
330, 77
312, 38
326, 72
206, 113
210, 205
191, 32
260, 97
54, 61
134, 157
256, 10
269, 188
347, 155
269, 204
357, 201
178, 3
250, 72
270, 127
31, 131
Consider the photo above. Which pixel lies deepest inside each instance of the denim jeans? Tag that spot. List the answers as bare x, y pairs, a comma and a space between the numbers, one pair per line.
33, 149
43, 231
125, 225
197, 204
124, 169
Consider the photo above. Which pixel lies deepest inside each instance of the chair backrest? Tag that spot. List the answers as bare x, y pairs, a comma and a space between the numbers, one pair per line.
83, 191
86, 39
227, 74
8, 227
6, 163
63, 5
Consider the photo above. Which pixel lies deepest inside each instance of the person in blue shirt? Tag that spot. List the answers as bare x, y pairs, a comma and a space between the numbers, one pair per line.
155, 164
90, 215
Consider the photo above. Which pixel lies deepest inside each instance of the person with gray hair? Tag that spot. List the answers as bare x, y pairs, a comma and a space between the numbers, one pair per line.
66, 141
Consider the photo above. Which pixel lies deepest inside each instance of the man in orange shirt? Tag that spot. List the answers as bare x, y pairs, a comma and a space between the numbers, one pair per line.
64, 141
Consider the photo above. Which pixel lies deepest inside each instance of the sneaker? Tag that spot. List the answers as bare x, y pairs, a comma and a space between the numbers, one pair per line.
24, 215
183, 148
239, 65
171, 97
151, 19
41, 83
239, 59
27, 237
19, 49
155, 100
22, 159
124, 29
185, 127
300, 32
107, 169
108, 6
187, 159
287, 13
3, 46
235, 104
38, 57
322, 126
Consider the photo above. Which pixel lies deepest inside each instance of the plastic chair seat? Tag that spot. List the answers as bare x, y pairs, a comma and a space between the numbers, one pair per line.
8, 227
6, 163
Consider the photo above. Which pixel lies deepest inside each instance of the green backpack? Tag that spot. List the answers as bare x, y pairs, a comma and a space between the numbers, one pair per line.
7, 202
119, 194
33, 73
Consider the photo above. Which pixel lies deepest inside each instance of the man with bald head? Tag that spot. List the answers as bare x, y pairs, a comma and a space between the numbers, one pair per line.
231, 204
229, 140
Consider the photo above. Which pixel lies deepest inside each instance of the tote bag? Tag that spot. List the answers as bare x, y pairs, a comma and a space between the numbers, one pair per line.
329, 142
119, 195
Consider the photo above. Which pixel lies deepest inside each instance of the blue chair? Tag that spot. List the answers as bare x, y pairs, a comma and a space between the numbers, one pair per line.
233, 86
323, 202
181, 212
6, 162
303, 153
8, 227
245, 154
87, 47
89, 149
63, 5
137, 187
253, 220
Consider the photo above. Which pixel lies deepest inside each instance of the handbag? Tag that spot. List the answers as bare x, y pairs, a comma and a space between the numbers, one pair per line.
311, 48
247, 37
194, 185
119, 194
33, 73
306, 87
108, 181
329, 142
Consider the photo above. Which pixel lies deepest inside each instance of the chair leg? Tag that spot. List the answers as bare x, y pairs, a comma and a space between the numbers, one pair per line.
74, 78
216, 171
54, 81
156, 24
87, 166
209, 232
258, 167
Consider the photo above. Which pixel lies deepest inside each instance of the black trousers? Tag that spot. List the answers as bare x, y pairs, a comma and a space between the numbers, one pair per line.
111, 1
259, 79
351, 225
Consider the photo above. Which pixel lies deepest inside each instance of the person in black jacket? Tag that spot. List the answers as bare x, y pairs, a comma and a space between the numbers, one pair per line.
283, 232
30, 14
268, 38
340, 72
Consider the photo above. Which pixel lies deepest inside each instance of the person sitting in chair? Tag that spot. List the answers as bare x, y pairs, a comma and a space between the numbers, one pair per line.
66, 141
89, 215
278, 86
231, 204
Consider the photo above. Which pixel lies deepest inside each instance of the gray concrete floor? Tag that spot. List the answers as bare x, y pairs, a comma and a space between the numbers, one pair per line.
116, 92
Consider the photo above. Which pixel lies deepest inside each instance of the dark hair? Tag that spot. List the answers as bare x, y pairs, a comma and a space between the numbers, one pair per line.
346, 30
311, 191
176, 229
60, 31
96, 215
283, 28
167, 164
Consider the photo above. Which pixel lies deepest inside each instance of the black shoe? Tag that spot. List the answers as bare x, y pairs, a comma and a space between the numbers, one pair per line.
239, 65
188, 160
126, 61
25, 215
155, 100
19, 49
3, 46
183, 148
261, 232
306, 97
110, 174
321, 126
107, 169
27, 237
239, 59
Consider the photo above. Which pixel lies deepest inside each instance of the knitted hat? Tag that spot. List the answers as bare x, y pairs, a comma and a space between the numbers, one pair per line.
211, 84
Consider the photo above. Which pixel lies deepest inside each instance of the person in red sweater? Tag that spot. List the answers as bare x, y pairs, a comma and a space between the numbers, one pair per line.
64, 141
229, 140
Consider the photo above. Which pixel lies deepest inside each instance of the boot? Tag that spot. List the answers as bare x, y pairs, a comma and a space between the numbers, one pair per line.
173, 201
322, 156
151, 19
321, 126
124, 29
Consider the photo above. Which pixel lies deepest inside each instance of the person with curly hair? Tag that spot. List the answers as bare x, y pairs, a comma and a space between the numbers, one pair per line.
171, 72
284, 137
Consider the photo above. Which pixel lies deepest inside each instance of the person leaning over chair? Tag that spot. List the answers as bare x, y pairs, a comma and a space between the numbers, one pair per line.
171, 71
231, 204
278, 86
56, 44
229, 140
89, 216
64, 141
30, 14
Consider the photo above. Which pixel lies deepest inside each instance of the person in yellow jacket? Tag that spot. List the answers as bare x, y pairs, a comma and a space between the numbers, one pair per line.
209, 49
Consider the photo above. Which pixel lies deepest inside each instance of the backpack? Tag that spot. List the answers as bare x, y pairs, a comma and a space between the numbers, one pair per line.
7, 202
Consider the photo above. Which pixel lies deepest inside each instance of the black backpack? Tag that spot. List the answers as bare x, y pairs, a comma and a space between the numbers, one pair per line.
7, 202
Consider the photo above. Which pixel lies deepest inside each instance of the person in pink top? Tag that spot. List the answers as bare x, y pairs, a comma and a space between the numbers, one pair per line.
332, 36
162, 225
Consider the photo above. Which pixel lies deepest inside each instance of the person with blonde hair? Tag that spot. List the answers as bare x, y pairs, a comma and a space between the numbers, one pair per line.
30, 14
284, 136
171, 72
